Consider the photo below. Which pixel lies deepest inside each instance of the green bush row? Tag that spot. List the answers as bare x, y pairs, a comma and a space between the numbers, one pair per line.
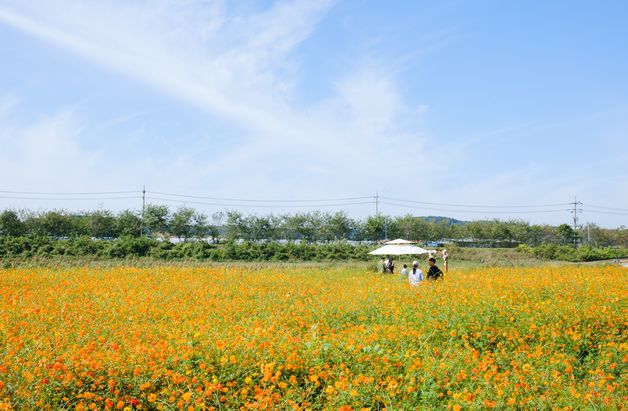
130, 247
569, 253
28, 247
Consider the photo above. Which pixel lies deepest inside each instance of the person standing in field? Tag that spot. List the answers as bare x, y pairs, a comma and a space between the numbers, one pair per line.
415, 276
381, 265
446, 260
404, 272
434, 273
391, 265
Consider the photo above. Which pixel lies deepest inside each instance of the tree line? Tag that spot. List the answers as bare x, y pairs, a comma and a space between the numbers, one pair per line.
184, 223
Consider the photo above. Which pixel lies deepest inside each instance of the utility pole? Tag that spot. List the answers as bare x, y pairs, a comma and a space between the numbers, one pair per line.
376, 204
575, 211
143, 208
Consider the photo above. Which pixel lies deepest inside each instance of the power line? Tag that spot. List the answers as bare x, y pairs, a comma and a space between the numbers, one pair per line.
606, 208
474, 205
72, 194
477, 211
70, 198
295, 203
604, 212
258, 200
257, 205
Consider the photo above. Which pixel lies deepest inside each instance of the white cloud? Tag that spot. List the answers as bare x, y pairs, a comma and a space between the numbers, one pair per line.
238, 68
6, 104
50, 154
45, 151
226, 65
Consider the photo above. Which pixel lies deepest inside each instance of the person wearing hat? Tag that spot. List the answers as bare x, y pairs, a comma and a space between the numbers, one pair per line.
415, 276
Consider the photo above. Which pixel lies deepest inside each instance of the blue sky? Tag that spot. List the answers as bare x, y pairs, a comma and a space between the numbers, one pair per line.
454, 102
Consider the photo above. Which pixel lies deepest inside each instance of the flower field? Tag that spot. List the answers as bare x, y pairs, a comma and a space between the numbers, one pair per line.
312, 338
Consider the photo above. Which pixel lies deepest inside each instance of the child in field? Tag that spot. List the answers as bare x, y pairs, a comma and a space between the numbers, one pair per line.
446, 260
415, 276
434, 272
404, 272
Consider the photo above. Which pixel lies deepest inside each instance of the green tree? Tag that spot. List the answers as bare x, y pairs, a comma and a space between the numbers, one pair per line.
376, 227
535, 235
414, 228
101, 224
337, 226
157, 219
566, 234
201, 227
182, 223
296, 227
520, 230
236, 227
500, 230
218, 220
11, 225
313, 226
478, 230
277, 224
438, 230
58, 224
259, 228
128, 224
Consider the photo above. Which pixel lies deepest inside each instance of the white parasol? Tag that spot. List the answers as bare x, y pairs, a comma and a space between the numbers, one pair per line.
399, 249
398, 241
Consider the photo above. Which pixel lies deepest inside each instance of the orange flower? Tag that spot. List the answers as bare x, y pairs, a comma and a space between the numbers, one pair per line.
310, 337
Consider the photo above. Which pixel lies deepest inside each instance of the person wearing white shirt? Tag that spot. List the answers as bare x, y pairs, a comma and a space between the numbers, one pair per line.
415, 276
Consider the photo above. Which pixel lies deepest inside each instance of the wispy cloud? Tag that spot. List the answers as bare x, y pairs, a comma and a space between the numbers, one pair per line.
47, 150
227, 65
239, 69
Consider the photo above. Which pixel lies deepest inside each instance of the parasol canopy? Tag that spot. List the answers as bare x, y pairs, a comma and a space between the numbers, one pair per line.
399, 249
398, 241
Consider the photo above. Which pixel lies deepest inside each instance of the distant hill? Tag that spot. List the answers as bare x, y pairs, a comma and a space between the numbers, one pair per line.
439, 219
